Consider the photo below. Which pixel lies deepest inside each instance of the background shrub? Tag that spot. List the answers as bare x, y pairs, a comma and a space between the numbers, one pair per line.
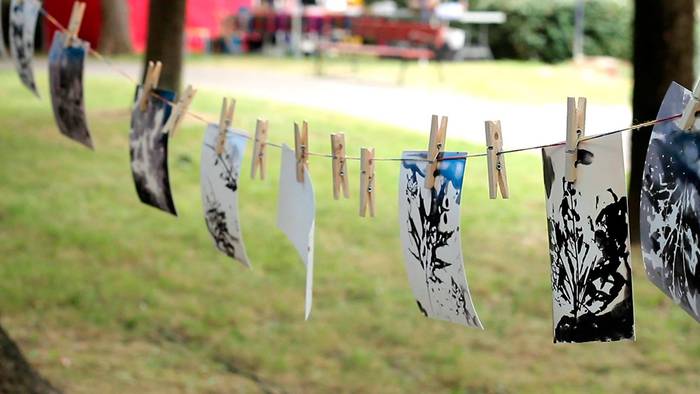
544, 30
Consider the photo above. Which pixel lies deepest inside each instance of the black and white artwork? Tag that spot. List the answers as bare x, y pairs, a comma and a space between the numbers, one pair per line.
23, 18
219, 181
148, 146
3, 49
66, 84
296, 216
589, 243
429, 224
670, 206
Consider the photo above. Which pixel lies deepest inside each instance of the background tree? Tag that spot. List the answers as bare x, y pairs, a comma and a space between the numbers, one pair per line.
166, 33
16, 375
663, 52
115, 36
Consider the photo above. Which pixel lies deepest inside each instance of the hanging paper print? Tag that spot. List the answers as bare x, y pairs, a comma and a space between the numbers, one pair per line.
149, 151
589, 243
66, 84
220, 174
296, 215
429, 221
23, 17
670, 207
3, 49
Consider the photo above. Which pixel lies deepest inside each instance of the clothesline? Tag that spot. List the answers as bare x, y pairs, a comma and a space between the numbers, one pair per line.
201, 118
427, 219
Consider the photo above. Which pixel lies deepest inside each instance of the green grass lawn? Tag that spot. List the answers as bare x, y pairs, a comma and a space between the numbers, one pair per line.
106, 295
601, 82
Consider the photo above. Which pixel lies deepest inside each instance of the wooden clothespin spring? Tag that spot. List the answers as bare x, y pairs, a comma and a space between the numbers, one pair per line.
498, 178
179, 111
225, 121
367, 183
76, 19
301, 149
575, 130
690, 113
259, 145
435, 147
340, 171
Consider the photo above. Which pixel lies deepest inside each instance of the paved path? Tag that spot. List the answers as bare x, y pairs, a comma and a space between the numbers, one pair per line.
524, 124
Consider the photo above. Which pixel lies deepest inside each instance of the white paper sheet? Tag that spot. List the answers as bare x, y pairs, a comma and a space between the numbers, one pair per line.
219, 182
296, 215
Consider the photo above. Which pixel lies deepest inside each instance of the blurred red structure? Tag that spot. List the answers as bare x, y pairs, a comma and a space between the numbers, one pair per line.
203, 20
385, 31
372, 30
61, 9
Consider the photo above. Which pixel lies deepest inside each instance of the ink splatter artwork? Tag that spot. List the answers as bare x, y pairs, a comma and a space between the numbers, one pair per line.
3, 49
219, 183
430, 234
23, 18
589, 243
296, 216
148, 148
66, 85
670, 206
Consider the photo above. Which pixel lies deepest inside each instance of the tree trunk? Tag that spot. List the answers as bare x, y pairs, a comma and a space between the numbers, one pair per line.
663, 52
166, 33
115, 37
16, 375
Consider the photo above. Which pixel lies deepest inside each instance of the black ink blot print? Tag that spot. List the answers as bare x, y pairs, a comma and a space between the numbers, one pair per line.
66, 85
430, 241
548, 169
584, 157
670, 208
148, 148
216, 224
591, 274
422, 310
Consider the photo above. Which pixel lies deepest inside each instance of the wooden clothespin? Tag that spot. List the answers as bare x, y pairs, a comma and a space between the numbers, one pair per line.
225, 121
435, 147
150, 83
260, 143
367, 181
498, 178
76, 18
179, 110
340, 170
690, 113
575, 130
301, 148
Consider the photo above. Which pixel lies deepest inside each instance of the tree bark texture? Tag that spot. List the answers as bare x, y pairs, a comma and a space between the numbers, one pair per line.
166, 33
16, 375
663, 52
115, 37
